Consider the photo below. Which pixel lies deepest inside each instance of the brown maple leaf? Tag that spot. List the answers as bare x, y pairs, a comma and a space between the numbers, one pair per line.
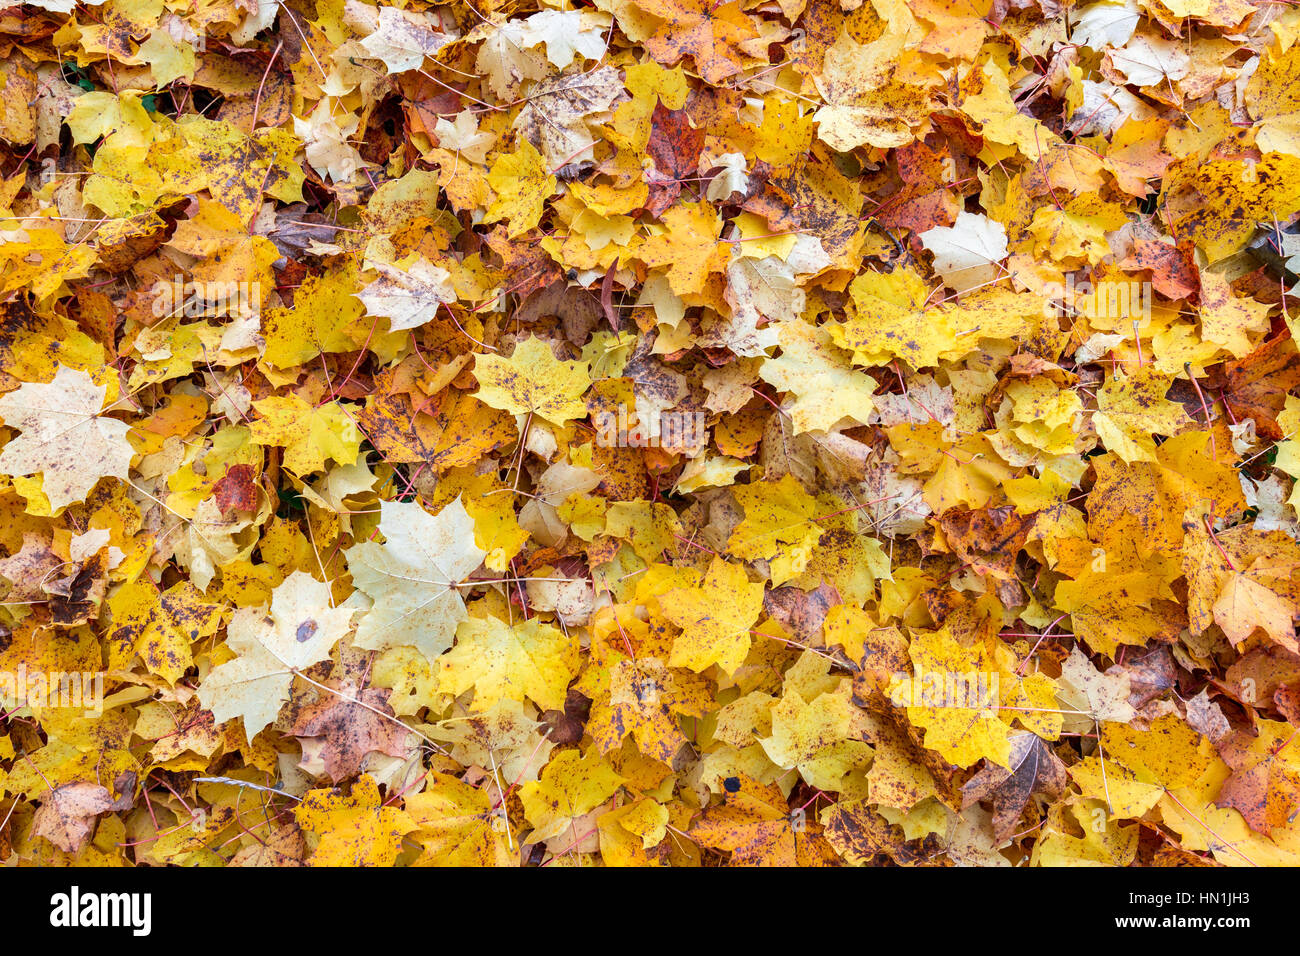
861, 835
708, 32
1034, 769
1256, 386
757, 827
236, 490
67, 814
675, 146
30, 569
338, 733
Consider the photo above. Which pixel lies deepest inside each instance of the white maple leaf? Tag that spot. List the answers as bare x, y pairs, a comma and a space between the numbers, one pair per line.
300, 630
403, 39
567, 33
505, 57
1100, 696
463, 136
1149, 61
61, 6
1105, 24
255, 22
766, 288
412, 577
408, 297
557, 117
734, 177
966, 253
1105, 108
325, 139
64, 436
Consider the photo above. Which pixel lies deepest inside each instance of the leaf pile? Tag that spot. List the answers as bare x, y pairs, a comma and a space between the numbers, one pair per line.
639, 432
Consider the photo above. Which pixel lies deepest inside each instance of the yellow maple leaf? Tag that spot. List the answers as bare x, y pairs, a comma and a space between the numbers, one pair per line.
878, 94
715, 618
160, 626
823, 739
533, 381
457, 826
503, 661
1133, 408
688, 244
356, 829
827, 388
522, 184
889, 321
228, 255
952, 696
1134, 768
573, 784
778, 526
310, 436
